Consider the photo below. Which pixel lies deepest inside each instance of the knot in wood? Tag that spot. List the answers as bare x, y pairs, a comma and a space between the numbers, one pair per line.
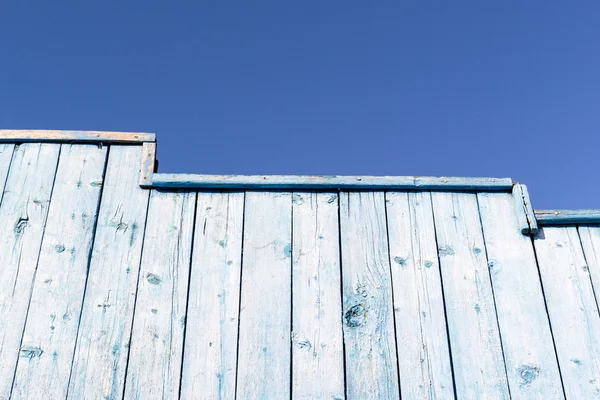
355, 316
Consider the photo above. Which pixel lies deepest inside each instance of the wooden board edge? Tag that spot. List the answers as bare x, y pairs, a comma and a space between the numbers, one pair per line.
525, 214
71, 136
299, 182
567, 217
148, 164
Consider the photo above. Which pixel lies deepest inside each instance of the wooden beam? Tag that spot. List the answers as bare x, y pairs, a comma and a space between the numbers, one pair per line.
148, 164
565, 217
18, 136
525, 214
292, 182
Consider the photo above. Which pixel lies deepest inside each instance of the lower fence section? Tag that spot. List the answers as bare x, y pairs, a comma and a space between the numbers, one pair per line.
108, 290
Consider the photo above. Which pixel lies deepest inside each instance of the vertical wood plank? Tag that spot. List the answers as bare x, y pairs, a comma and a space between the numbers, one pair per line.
265, 315
531, 362
106, 318
478, 363
423, 353
572, 309
51, 328
157, 339
23, 213
590, 241
317, 343
210, 351
6, 153
368, 320
147, 164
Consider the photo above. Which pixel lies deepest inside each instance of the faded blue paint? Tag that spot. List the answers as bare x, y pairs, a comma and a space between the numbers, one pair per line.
292, 182
525, 214
148, 163
19, 136
364, 224
567, 217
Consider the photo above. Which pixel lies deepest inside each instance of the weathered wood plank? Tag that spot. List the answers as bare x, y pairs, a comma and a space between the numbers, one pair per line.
368, 319
23, 215
51, 328
423, 354
328, 182
265, 315
590, 241
529, 353
106, 317
572, 309
210, 351
524, 209
8, 135
566, 217
154, 368
6, 153
317, 342
474, 338
148, 164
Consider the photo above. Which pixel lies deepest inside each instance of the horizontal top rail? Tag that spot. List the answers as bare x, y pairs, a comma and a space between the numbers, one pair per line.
562, 217
18, 136
292, 182
150, 179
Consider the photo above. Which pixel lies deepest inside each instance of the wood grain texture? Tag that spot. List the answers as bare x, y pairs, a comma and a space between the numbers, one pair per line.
6, 153
572, 309
567, 217
474, 338
155, 357
23, 213
423, 353
210, 351
317, 342
105, 328
147, 165
590, 242
531, 362
523, 208
265, 315
7, 135
368, 319
292, 182
50, 332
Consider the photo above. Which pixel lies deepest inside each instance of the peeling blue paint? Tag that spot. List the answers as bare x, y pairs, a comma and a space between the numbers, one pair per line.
31, 352
153, 279
528, 374
446, 251
355, 316
21, 224
287, 251
400, 260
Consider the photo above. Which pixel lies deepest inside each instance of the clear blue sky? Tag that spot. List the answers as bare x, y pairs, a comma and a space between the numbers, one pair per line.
462, 88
